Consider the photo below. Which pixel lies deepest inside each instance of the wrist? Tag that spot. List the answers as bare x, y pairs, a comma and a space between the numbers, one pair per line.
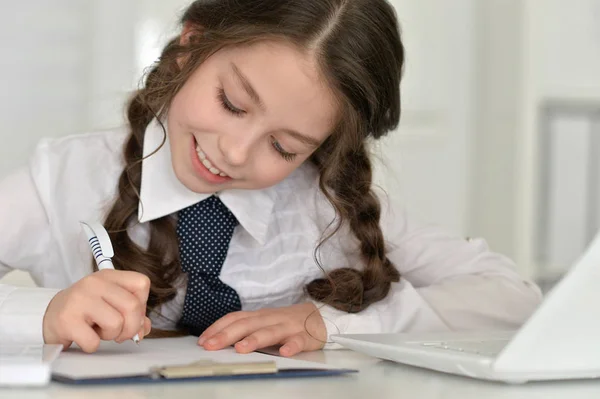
48, 333
316, 325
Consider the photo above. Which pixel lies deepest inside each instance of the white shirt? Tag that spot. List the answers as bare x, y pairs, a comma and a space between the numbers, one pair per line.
447, 283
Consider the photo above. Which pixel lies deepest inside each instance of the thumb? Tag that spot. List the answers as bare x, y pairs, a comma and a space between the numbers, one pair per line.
147, 326
295, 344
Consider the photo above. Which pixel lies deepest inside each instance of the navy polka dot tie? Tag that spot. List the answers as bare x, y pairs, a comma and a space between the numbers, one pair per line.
204, 231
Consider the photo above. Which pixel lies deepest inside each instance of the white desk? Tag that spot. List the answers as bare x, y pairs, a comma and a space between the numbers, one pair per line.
376, 380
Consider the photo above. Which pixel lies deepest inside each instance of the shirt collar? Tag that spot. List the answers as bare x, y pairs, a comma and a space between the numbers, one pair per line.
161, 192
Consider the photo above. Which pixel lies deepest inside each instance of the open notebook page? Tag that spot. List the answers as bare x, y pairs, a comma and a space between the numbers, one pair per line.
128, 359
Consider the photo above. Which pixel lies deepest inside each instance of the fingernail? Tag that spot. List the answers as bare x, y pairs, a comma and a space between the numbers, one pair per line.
201, 340
243, 343
211, 342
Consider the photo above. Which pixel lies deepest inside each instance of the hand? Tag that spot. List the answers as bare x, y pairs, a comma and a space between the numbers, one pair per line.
250, 331
106, 305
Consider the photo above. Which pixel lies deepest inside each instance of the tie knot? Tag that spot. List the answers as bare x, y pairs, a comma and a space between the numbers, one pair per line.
211, 209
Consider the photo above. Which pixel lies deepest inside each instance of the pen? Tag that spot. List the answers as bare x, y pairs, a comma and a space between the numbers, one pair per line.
102, 250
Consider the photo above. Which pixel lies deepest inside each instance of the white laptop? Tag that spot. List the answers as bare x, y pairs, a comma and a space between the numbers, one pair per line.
561, 340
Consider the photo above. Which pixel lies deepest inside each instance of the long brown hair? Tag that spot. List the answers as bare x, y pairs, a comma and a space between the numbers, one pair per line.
358, 49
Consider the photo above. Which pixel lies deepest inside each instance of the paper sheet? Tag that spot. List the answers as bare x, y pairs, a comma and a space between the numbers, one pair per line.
128, 359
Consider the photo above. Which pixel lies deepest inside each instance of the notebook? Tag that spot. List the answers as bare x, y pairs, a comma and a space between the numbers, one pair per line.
174, 359
26, 365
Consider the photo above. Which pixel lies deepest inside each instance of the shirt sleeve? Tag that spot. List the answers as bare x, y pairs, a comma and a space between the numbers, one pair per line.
26, 237
447, 283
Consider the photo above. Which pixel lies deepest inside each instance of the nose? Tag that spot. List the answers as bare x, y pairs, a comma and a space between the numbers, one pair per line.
235, 148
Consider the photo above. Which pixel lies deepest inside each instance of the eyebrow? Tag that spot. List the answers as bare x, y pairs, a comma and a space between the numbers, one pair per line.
249, 89
247, 86
302, 138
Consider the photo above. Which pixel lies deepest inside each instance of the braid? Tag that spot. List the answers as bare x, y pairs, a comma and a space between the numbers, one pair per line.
345, 180
160, 261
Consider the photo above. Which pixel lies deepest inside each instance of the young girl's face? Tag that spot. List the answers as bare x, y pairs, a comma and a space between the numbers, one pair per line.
247, 117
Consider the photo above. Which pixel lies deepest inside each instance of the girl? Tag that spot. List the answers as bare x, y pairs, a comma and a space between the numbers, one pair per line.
239, 199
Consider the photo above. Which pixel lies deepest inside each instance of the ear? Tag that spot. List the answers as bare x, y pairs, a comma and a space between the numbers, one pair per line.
188, 32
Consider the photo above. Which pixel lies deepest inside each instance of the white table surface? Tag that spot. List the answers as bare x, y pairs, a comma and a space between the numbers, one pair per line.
376, 379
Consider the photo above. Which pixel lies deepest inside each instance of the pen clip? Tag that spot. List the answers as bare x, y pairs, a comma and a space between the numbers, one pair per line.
97, 230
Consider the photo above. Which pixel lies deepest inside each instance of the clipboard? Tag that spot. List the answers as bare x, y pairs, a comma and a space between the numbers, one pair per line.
168, 360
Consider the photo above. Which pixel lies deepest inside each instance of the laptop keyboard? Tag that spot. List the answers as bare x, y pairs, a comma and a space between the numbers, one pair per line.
484, 347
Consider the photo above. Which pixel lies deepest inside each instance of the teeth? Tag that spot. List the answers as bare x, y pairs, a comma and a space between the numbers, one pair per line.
209, 166
207, 163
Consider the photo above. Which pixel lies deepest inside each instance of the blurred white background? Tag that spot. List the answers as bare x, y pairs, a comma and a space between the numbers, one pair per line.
500, 131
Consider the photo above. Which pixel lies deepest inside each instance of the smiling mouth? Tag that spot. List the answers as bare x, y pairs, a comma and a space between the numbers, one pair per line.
207, 164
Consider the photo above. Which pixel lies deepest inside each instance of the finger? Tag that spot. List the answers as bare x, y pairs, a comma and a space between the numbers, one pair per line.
85, 336
220, 324
145, 330
109, 320
130, 308
294, 345
237, 331
136, 283
263, 338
